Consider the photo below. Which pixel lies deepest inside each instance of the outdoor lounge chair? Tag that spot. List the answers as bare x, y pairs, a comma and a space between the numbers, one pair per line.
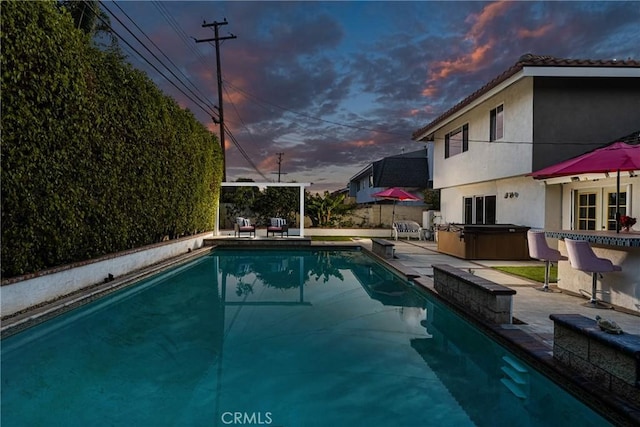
243, 225
407, 229
278, 225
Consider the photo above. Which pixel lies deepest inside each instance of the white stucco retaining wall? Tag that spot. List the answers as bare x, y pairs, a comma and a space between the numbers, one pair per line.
23, 292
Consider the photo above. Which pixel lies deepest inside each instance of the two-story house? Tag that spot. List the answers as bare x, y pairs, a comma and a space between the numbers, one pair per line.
540, 111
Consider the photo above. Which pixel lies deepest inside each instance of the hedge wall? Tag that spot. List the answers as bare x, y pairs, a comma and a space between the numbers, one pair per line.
95, 159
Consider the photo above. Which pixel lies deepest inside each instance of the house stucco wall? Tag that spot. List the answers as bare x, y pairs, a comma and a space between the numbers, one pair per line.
510, 156
528, 208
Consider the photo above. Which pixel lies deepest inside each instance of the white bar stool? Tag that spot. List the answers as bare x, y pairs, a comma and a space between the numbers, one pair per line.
582, 258
539, 249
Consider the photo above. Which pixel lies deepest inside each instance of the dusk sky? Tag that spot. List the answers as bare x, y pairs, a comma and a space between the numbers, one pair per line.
337, 85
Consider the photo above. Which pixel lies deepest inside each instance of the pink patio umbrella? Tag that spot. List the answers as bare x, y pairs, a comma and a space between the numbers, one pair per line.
616, 157
395, 194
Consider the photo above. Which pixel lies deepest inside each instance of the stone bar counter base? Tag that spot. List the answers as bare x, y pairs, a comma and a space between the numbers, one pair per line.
484, 298
608, 359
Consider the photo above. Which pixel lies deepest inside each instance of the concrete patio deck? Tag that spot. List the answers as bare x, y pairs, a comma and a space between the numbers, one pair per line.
531, 307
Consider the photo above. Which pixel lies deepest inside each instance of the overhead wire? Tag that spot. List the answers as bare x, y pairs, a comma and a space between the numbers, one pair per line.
186, 40
243, 153
182, 35
206, 101
196, 103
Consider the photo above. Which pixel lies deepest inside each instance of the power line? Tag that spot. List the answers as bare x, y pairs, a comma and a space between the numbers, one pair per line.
107, 24
186, 40
244, 153
210, 113
206, 101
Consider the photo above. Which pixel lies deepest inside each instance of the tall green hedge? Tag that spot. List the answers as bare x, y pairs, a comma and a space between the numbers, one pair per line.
95, 159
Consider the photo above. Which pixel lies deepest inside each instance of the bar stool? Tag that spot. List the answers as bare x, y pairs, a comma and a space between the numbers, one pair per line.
582, 258
539, 249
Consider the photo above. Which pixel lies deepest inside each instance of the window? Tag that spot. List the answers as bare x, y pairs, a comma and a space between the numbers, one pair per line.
456, 142
496, 125
586, 211
611, 208
479, 210
468, 210
490, 209
371, 181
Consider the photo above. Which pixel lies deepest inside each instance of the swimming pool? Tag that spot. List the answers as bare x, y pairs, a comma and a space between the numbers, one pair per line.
276, 337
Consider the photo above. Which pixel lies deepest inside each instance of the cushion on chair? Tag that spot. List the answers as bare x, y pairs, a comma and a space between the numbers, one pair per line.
539, 249
582, 257
278, 222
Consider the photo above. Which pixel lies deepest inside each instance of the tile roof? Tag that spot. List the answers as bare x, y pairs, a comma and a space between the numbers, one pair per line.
529, 60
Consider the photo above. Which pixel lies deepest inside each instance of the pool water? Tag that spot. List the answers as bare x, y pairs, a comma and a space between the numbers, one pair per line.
278, 337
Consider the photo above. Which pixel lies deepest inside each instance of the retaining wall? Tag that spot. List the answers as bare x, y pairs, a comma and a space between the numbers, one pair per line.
19, 293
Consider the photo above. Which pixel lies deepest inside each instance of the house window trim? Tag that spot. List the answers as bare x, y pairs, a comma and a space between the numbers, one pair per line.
464, 129
493, 125
602, 221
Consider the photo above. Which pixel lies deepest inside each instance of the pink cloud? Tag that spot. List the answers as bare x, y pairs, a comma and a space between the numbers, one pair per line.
430, 90
485, 18
539, 32
361, 143
479, 53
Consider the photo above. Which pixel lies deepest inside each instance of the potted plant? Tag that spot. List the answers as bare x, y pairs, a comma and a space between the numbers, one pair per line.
626, 222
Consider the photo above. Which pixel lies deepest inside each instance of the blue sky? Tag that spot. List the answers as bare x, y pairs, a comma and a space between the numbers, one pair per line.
337, 85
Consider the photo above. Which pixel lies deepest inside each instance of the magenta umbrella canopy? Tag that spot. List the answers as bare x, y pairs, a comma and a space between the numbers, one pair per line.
612, 158
395, 193
617, 157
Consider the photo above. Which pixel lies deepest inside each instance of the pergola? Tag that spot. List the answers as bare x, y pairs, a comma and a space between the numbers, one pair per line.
301, 185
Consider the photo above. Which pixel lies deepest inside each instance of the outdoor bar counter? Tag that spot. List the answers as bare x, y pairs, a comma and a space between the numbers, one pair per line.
495, 241
622, 249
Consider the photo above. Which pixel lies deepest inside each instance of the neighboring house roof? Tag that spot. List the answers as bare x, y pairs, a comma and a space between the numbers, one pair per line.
632, 139
527, 60
402, 170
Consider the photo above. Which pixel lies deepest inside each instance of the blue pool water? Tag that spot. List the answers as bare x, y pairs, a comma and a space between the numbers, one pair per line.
281, 338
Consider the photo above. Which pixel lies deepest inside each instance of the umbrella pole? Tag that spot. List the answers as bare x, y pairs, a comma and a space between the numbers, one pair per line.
393, 213
618, 202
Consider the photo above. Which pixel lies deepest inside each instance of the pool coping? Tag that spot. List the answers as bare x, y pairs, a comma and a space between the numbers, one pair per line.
22, 320
538, 354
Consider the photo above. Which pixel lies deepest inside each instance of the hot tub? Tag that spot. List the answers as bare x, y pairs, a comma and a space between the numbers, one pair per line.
496, 241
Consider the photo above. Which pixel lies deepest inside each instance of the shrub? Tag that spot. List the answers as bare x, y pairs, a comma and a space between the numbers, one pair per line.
95, 159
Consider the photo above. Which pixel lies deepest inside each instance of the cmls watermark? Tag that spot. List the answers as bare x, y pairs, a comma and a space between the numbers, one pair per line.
246, 418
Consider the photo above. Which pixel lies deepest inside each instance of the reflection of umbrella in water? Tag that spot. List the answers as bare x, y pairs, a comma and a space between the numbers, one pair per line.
395, 194
617, 157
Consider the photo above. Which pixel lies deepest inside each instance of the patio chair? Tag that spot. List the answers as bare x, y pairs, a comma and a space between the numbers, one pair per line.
243, 225
539, 249
582, 258
278, 225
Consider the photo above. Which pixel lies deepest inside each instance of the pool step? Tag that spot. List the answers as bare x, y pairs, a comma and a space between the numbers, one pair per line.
516, 378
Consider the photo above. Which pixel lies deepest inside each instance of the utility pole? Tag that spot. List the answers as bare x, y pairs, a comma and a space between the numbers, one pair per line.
279, 166
217, 39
